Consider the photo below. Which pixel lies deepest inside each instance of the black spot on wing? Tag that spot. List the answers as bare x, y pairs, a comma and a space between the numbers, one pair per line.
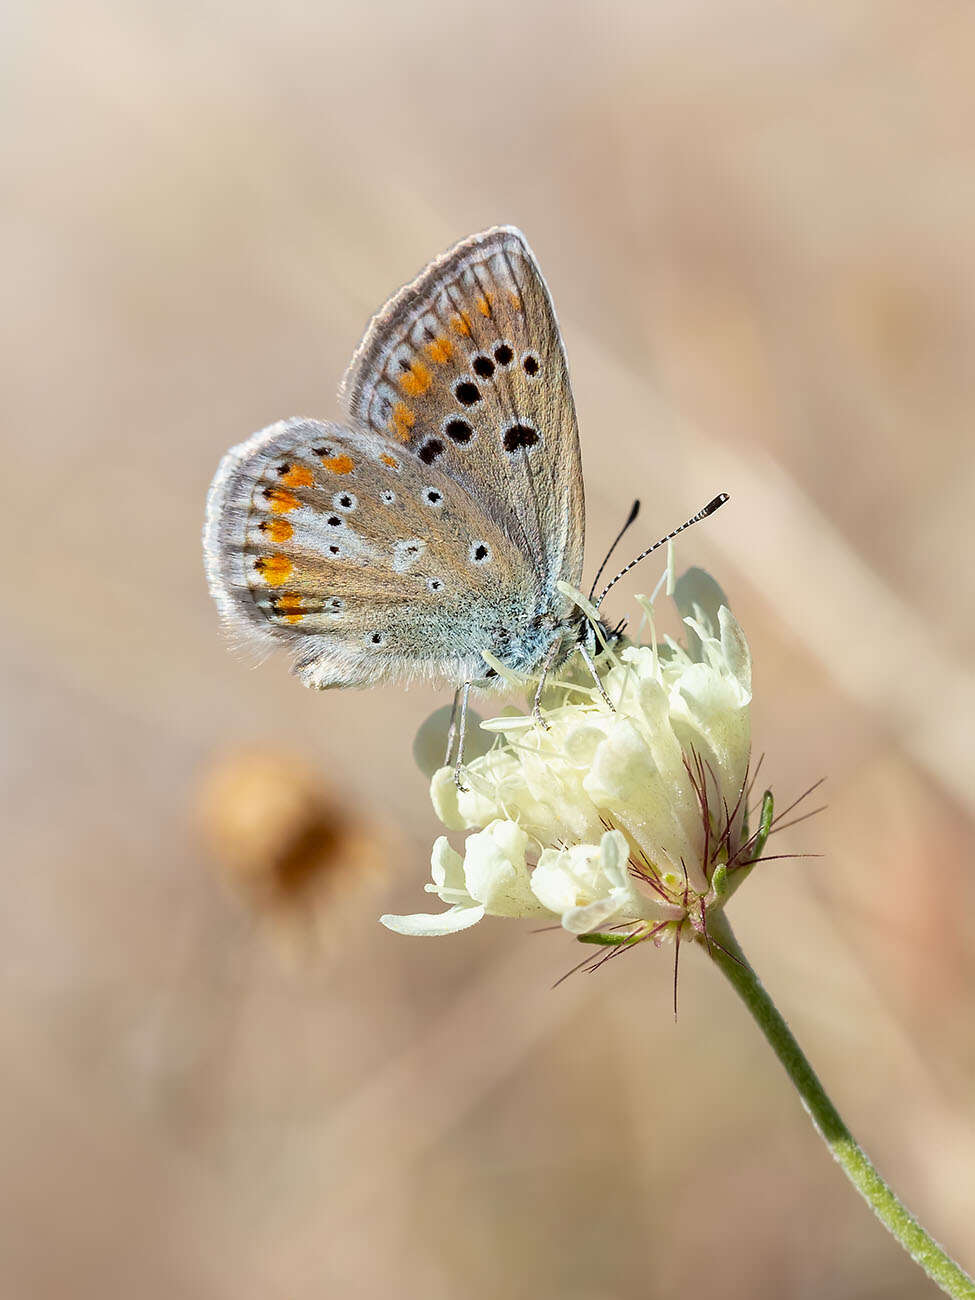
458, 431
517, 436
430, 450
467, 393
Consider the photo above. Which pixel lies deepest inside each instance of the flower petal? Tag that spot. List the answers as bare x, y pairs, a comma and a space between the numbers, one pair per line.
447, 869
496, 872
427, 925
588, 884
580, 920
566, 878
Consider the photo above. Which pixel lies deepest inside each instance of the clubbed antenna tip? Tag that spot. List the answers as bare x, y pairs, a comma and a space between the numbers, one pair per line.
714, 504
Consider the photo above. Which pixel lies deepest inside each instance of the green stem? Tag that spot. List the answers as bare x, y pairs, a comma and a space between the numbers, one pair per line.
922, 1248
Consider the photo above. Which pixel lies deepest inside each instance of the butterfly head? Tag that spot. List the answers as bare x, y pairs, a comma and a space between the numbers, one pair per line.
562, 638
607, 637
597, 638
549, 639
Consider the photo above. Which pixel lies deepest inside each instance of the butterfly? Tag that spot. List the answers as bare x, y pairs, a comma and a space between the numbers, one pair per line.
443, 518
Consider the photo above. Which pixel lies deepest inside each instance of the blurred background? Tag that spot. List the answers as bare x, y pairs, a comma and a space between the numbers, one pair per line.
222, 1078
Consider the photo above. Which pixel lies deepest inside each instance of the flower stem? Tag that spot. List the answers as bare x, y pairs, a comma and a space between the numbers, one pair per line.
922, 1248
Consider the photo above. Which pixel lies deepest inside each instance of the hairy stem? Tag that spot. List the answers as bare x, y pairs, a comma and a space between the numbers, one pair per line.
921, 1247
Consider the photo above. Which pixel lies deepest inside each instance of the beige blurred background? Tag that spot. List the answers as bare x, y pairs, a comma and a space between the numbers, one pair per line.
757, 222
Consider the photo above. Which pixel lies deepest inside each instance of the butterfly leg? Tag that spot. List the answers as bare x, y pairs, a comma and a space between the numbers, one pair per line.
452, 729
590, 664
463, 694
543, 677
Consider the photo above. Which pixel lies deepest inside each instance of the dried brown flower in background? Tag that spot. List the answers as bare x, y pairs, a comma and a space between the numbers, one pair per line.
284, 846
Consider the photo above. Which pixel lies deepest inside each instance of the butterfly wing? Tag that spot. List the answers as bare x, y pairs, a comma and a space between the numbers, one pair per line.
465, 370
368, 562
439, 525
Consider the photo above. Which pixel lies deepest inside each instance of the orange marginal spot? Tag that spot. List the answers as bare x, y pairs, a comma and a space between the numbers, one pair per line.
338, 464
298, 476
402, 422
484, 303
274, 568
461, 323
391, 461
279, 530
416, 380
280, 500
440, 350
515, 301
290, 606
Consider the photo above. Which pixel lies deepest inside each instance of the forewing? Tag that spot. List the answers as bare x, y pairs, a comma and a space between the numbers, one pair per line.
465, 370
368, 561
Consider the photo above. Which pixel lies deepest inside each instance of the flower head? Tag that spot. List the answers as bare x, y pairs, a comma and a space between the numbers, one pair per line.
628, 821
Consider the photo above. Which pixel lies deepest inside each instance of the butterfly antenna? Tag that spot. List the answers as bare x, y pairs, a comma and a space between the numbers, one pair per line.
709, 509
619, 537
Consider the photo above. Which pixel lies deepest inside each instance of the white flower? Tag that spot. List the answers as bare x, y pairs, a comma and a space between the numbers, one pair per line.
630, 819
490, 880
588, 885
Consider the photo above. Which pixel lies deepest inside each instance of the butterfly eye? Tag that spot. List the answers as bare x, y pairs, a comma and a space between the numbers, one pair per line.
433, 496
434, 584
530, 365
334, 521
483, 366
387, 498
345, 501
467, 393
503, 354
334, 605
480, 553
377, 638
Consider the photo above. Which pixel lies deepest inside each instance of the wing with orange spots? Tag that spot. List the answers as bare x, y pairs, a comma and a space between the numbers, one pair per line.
464, 370
367, 561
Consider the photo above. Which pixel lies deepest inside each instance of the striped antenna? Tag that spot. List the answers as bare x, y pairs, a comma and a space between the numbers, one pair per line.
709, 509
634, 511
